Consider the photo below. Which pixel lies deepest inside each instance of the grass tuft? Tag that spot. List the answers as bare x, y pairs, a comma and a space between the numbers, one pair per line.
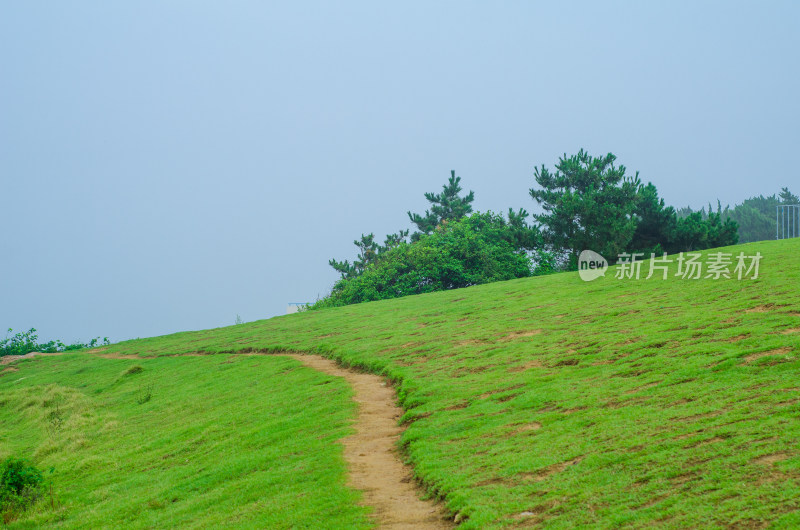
132, 370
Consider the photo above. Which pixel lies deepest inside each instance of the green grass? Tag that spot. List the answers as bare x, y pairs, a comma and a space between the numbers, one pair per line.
550, 400
222, 441
616, 402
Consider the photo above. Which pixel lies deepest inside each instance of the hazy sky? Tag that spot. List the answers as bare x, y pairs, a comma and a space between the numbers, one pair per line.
166, 166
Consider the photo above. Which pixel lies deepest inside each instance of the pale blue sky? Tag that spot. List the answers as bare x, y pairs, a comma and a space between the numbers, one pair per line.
167, 165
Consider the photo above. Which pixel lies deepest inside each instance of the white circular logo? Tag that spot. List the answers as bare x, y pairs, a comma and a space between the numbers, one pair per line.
591, 265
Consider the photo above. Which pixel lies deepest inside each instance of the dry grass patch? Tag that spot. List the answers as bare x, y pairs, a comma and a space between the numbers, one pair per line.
526, 366
545, 473
760, 308
528, 427
567, 362
490, 393
769, 353
514, 335
770, 459
707, 441
737, 338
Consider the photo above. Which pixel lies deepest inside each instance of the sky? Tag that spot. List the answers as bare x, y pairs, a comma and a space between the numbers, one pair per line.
167, 166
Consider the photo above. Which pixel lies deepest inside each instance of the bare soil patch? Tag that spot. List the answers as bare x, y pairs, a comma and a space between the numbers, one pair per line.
567, 362
9, 369
520, 334
760, 308
756, 356
472, 342
490, 393
771, 459
737, 338
8, 359
528, 427
708, 441
543, 474
526, 366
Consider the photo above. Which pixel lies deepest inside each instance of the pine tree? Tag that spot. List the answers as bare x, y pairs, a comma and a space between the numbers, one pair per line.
657, 223
787, 197
588, 203
445, 206
369, 252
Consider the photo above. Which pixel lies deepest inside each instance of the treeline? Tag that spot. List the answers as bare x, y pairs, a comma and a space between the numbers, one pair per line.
586, 202
754, 216
28, 341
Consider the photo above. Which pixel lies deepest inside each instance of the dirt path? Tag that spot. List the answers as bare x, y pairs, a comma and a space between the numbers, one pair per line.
375, 466
8, 359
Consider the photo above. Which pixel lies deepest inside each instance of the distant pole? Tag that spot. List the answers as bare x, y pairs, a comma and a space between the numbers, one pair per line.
787, 221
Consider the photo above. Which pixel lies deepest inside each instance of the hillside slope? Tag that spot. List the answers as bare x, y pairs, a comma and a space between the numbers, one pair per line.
190, 442
554, 400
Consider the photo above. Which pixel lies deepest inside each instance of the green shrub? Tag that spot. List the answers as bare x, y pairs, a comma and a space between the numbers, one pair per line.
145, 394
135, 369
20, 486
478, 249
28, 341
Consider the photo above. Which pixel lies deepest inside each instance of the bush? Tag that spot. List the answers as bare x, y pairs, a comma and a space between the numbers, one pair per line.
28, 341
478, 249
19, 344
20, 486
132, 370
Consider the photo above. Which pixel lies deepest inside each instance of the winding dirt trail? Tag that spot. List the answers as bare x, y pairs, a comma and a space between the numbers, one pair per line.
374, 465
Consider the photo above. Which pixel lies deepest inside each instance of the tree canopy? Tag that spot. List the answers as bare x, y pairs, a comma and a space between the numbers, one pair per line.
659, 228
755, 216
445, 206
368, 252
588, 203
476, 249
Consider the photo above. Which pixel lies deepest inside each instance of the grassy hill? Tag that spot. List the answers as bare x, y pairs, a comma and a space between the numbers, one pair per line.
551, 400
259, 450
